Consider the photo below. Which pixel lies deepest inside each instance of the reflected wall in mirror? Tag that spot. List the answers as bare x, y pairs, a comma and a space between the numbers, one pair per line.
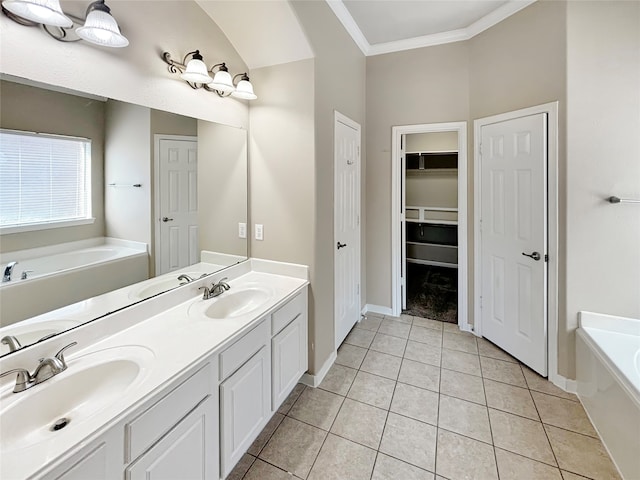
167, 194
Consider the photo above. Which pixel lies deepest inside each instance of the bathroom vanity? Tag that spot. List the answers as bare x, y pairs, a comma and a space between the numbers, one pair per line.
174, 387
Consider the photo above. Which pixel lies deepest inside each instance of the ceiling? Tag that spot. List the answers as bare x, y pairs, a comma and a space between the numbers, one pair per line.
384, 26
268, 32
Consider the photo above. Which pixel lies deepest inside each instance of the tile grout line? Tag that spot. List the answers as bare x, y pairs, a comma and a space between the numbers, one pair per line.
484, 391
435, 453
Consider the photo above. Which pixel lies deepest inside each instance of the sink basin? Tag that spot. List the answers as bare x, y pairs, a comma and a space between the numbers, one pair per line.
90, 384
232, 304
159, 285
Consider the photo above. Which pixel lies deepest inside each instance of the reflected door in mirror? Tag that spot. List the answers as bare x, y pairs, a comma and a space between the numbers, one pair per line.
177, 244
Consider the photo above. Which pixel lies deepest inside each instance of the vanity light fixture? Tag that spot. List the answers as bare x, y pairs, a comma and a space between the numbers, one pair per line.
193, 70
98, 26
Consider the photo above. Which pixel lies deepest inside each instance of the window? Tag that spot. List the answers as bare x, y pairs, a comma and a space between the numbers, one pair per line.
45, 181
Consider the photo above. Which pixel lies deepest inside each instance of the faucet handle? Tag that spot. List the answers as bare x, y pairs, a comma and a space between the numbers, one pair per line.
60, 355
23, 379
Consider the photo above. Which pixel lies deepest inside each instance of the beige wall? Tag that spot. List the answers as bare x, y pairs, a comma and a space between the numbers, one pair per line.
432, 142
134, 74
127, 162
432, 189
603, 159
291, 159
37, 110
222, 187
428, 85
339, 85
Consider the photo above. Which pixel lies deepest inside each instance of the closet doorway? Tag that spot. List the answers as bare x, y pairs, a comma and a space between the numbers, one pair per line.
429, 222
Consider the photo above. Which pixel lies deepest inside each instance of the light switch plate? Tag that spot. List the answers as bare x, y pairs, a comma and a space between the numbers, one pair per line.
242, 230
259, 232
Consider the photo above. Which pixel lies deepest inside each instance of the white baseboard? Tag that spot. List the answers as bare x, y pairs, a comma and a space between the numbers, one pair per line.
377, 309
315, 380
566, 384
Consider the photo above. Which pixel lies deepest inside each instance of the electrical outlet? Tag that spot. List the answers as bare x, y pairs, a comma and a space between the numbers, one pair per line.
242, 230
259, 232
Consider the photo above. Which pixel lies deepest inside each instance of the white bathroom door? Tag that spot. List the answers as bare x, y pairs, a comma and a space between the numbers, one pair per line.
513, 231
177, 214
346, 225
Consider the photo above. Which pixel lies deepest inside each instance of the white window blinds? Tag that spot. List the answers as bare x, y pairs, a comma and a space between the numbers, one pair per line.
44, 179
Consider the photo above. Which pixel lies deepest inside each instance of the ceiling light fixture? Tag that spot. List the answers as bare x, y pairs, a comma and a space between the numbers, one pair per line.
193, 70
99, 27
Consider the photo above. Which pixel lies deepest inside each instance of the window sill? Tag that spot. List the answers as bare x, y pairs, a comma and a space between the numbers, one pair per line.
33, 227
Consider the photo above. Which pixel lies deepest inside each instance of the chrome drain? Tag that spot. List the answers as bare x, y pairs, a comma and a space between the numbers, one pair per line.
60, 424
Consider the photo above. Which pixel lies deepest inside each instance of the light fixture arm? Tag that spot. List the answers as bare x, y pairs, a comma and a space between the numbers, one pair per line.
177, 67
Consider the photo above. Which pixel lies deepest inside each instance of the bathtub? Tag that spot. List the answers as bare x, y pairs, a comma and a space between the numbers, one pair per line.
67, 273
608, 384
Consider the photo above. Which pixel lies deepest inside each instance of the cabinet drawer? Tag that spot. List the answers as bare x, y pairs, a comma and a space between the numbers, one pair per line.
150, 425
241, 351
289, 312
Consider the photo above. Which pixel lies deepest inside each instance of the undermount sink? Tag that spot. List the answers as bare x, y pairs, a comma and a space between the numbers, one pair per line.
159, 285
90, 384
232, 304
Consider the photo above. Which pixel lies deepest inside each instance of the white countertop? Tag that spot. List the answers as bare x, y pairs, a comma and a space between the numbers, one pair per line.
178, 339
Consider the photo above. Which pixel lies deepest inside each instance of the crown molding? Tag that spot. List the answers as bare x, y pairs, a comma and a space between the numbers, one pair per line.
479, 26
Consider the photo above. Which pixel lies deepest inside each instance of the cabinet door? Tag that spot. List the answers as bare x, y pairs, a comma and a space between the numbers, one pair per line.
244, 408
92, 465
100, 460
184, 453
289, 350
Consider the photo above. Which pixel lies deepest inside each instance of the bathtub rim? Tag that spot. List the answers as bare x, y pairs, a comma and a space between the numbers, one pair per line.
602, 356
133, 249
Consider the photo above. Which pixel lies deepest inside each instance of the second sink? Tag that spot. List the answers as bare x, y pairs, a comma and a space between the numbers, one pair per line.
232, 304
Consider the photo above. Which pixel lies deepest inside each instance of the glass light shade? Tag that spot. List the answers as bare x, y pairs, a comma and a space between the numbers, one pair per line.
222, 82
244, 90
47, 12
102, 29
196, 72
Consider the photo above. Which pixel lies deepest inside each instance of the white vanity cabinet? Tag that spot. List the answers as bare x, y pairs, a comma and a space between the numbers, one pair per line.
244, 394
288, 347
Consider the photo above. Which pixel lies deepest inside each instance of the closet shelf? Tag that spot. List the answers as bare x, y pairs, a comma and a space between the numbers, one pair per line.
421, 215
432, 222
432, 263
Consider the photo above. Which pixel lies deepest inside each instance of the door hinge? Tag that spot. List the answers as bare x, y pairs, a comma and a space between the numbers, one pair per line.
546, 257
480, 301
480, 149
357, 220
358, 289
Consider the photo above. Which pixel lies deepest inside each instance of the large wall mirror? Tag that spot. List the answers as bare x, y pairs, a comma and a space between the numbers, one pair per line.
168, 199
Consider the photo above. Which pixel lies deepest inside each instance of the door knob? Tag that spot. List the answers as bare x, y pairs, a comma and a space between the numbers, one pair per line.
340, 245
535, 255
167, 219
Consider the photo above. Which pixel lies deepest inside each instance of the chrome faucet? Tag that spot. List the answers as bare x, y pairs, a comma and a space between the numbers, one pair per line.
12, 342
216, 289
189, 279
8, 270
47, 368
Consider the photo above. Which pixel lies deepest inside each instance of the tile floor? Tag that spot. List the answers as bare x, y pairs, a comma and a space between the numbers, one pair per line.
410, 399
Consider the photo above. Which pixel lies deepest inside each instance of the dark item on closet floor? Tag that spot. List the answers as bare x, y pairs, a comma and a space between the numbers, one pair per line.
432, 292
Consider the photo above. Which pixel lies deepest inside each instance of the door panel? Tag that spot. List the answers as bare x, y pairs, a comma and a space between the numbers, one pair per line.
178, 215
346, 229
513, 223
